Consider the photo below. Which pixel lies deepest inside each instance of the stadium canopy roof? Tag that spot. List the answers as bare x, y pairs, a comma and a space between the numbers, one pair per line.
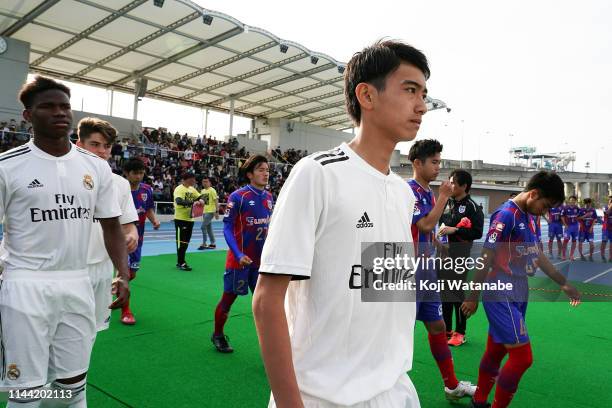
188, 54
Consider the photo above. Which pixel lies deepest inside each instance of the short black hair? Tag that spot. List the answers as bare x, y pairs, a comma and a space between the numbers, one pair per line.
572, 196
250, 164
587, 201
133, 164
187, 175
38, 85
422, 149
462, 177
549, 185
373, 65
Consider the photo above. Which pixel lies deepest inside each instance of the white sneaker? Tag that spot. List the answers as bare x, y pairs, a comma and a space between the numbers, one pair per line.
463, 389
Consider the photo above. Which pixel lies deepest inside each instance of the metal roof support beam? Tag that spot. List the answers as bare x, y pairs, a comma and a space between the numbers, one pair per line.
300, 103
139, 43
268, 85
28, 18
178, 56
247, 75
218, 65
90, 30
290, 93
314, 110
325, 117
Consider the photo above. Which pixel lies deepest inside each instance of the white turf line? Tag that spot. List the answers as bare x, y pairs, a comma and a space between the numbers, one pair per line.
598, 275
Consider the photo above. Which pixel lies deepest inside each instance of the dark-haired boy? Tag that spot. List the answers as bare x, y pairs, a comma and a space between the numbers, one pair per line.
569, 217
461, 235
97, 137
511, 252
142, 196
245, 227
425, 158
606, 231
185, 195
50, 190
587, 217
327, 347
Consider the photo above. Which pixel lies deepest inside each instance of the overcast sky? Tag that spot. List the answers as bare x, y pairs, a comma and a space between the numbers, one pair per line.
539, 70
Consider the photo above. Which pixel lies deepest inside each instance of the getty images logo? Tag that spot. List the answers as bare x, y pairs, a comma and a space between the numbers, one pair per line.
364, 221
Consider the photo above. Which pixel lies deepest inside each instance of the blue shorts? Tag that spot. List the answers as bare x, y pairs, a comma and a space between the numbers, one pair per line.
238, 281
586, 236
555, 230
507, 321
606, 235
429, 311
571, 232
134, 258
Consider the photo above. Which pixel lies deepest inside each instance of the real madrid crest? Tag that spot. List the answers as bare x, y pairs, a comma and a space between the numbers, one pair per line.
88, 182
13, 373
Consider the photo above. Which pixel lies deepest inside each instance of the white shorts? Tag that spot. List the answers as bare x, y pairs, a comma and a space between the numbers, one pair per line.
47, 325
101, 276
402, 395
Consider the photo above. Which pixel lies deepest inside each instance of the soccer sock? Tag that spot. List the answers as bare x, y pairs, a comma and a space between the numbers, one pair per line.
25, 402
564, 248
591, 249
222, 311
442, 354
550, 247
77, 395
559, 246
126, 306
519, 360
573, 249
580, 249
602, 249
489, 368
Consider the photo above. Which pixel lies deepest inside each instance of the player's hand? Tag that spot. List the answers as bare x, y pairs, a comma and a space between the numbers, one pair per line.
447, 230
446, 189
469, 307
571, 293
131, 241
156, 224
121, 289
245, 261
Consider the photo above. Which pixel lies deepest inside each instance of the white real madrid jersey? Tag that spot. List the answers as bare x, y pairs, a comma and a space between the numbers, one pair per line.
48, 203
344, 350
97, 251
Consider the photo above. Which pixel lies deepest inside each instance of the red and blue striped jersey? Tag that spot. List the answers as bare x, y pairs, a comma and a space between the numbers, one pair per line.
589, 217
570, 213
554, 215
424, 203
143, 201
246, 221
512, 235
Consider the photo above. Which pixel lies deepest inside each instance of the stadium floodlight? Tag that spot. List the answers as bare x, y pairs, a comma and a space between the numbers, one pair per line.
284, 48
207, 19
434, 104
314, 60
340, 69
158, 3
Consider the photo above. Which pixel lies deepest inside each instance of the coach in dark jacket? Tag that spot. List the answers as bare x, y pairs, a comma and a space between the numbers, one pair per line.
460, 233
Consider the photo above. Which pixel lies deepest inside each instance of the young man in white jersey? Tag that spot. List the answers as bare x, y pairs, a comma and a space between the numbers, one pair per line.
328, 348
50, 190
97, 136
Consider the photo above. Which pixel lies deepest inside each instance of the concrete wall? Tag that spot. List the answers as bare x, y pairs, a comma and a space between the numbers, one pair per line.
300, 136
253, 145
14, 65
125, 127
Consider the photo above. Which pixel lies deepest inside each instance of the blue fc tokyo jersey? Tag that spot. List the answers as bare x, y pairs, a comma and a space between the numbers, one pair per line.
143, 201
512, 235
424, 203
248, 213
571, 215
554, 215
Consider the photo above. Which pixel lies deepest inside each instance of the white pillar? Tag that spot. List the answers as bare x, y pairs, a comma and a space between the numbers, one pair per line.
231, 121
205, 124
135, 114
112, 100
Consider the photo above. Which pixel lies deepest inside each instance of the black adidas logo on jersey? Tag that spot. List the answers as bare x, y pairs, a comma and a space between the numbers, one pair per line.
364, 221
35, 184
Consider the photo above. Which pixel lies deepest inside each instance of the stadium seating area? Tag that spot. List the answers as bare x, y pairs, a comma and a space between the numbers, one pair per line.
168, 155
